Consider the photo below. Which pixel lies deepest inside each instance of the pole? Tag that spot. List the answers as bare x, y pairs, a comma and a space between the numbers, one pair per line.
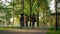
56, 15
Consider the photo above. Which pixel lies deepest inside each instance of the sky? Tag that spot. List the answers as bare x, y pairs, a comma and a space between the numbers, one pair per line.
52, 6
5, 1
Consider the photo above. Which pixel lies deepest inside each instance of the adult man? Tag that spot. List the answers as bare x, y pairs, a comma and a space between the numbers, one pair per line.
22, 20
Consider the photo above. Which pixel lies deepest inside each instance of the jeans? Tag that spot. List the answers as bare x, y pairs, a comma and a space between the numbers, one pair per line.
21, 24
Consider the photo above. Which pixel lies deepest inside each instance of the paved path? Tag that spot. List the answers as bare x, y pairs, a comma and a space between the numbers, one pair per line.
24, 31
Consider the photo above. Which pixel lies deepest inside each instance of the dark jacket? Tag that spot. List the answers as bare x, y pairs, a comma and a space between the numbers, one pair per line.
33, 19
22, 18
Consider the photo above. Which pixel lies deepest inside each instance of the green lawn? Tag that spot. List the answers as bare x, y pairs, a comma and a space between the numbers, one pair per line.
53, 31
8, 28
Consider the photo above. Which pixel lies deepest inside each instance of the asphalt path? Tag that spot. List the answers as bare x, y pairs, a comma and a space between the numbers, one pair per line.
23, 31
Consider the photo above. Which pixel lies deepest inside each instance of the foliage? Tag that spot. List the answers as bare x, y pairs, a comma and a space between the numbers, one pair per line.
15, 8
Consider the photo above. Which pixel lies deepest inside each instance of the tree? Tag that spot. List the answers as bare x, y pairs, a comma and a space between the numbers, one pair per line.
40, 6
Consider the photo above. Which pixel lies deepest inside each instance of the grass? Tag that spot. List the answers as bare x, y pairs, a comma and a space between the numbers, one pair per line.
5, 28
16, 27
8, 28
53, 31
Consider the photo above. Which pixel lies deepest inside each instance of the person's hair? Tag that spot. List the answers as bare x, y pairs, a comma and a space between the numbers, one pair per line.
22, 14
